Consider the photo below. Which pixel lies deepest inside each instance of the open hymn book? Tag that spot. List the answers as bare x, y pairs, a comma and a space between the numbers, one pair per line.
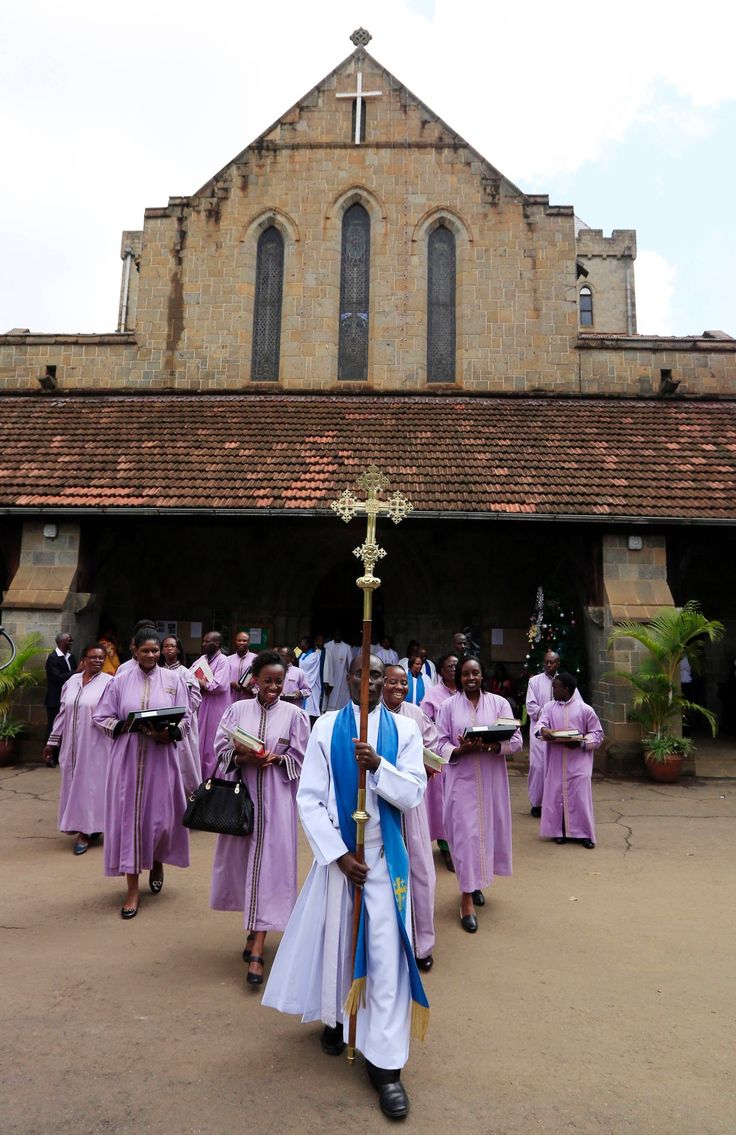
433, 760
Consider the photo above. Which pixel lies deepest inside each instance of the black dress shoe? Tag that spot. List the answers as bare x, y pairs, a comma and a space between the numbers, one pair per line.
588, 843
445, 853
393, 1100
561, 839
425, 964
469, 922
246, 951
128, 912
536, 812
331, 1040
255, 978
479, 899
80, 847
156, 882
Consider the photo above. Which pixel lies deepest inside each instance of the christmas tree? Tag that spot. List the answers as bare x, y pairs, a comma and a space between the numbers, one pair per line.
555, 625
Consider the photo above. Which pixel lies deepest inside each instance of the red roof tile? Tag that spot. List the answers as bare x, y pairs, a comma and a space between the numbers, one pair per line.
525, 457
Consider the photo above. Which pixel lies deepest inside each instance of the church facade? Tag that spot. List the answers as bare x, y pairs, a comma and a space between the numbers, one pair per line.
360, 285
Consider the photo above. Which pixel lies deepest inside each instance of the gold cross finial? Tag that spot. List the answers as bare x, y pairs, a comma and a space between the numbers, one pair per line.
348, 505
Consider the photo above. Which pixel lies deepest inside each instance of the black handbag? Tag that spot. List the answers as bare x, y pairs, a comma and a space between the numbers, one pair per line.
221, 806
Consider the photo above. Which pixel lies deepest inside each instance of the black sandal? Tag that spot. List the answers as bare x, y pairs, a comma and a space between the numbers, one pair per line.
255, 978
156, 884
246, 951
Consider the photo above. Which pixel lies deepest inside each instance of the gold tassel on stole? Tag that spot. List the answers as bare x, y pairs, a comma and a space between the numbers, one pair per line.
419, 1020
356, 997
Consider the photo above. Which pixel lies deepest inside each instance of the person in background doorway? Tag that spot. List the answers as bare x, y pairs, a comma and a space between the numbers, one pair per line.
312, 662
216, 697
60, 665
338, 657
240, 667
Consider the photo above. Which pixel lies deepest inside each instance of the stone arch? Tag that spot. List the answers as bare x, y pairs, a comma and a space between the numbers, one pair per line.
441, 215
357, 195
280, 219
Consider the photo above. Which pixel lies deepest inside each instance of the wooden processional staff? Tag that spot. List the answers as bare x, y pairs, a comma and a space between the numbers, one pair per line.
396, 508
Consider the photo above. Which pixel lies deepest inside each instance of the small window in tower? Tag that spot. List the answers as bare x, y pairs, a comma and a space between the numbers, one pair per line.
586, 307
363, 109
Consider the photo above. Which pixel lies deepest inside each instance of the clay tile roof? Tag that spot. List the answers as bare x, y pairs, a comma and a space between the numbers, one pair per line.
525, 457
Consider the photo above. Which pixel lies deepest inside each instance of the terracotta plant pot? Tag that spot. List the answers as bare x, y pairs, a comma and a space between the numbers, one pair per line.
667, 771
7, 752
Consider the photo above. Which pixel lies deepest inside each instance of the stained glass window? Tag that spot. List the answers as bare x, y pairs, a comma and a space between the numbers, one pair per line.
586, 307
441, 306
352, 359
267, 305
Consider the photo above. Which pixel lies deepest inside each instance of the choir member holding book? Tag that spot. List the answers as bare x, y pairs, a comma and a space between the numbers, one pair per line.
83, 755
434, 799
212, 671
240, 665
477, 800
418, 842
572, 732
144, 797
261, 741
172, 657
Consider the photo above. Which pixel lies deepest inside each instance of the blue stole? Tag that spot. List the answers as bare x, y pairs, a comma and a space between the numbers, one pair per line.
345, 775
419, 683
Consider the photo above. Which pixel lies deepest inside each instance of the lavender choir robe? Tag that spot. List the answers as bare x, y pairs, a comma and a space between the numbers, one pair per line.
237, 668
256, 874
144, 795
419, 845
83, 755
568, 793
538, 693
312, 970
216, 698
435, 795
477, 799
189, 758
295, 681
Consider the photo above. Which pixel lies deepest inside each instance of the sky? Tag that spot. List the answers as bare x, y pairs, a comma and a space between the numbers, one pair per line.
625, 110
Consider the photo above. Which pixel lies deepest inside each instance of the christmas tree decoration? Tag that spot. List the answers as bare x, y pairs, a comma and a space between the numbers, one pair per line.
553, 626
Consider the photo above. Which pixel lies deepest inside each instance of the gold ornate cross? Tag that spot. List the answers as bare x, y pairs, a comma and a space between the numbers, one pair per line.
400, 892
348, 505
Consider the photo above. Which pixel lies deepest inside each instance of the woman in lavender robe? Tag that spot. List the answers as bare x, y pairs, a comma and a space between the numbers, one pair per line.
416, 834
144, 798
434, 797
83, 753
256, 874
172, 658
567, 803
477, 799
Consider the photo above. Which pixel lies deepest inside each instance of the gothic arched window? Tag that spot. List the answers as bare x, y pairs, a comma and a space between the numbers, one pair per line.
441, 305
352, 357
267, 305
586, 307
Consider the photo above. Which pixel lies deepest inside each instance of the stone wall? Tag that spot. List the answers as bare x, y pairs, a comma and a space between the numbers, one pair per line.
609, 262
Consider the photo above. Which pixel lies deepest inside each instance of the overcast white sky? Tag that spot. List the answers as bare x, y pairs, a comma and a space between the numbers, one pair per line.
625, 110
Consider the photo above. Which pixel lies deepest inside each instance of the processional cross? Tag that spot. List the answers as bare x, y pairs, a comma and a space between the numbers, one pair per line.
396, 508
360, 38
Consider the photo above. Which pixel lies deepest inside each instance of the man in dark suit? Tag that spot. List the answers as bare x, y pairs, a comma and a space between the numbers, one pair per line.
60, 665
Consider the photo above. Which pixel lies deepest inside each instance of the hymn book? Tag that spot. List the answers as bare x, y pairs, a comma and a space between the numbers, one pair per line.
156, 718
245, 678
247, 740
204, 672
566, 735
434, 760
501, 730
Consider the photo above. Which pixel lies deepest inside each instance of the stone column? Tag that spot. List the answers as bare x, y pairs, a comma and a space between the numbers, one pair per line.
634, 587
42, 597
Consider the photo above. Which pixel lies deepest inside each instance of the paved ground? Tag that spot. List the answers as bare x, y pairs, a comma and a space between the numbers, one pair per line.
596, 998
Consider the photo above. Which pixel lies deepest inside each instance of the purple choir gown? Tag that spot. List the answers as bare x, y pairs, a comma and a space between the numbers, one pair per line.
145, 797
257, 874
568, 792
216, 698
419, 845
434, 797
83, 755
477, 799
237, 669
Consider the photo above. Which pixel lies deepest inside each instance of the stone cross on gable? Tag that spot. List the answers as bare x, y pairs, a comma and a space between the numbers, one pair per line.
358, 95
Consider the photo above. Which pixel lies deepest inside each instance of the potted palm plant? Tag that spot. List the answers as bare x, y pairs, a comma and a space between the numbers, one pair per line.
14, 678
657, 702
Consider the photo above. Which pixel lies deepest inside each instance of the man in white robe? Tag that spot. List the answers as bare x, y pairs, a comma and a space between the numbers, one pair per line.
312, 972
538, 693
338, 657
312, 662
